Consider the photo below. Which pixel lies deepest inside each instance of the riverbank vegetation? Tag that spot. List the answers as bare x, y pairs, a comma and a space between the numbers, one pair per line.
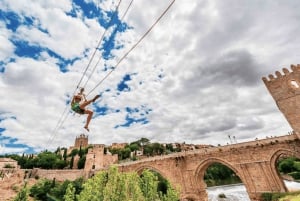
286, 166
218, 174
105, 185
290, 196
290, 166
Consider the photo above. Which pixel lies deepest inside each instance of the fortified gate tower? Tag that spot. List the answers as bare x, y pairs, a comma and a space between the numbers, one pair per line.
285, 89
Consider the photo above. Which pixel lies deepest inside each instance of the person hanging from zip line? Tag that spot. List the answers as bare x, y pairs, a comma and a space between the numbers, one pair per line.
78, 104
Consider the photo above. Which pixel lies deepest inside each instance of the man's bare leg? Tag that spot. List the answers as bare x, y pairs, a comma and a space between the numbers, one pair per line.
88, 112
88, 119
84, 104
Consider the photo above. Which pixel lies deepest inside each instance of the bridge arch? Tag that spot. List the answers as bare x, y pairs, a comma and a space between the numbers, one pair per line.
140, 169
202, 167
273, 163
282, 152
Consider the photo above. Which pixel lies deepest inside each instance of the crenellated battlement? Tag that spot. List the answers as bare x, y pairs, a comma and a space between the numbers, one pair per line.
81, 141
279, 75
285, 89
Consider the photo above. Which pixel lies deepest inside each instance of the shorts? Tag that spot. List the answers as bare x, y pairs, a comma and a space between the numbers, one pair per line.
76, 108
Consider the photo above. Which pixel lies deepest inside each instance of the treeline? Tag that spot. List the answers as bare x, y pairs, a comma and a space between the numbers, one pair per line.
59, 159
290, 166
146, 147
218, 174
105, 185
51, 160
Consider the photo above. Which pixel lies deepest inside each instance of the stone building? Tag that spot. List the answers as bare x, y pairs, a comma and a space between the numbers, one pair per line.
118, 145
96, 158
80, 141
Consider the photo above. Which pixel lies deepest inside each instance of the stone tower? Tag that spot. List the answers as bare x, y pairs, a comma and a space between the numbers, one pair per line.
81, 141
96, 159
285, 89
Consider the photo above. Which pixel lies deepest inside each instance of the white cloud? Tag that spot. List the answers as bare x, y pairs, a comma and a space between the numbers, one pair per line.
6, 47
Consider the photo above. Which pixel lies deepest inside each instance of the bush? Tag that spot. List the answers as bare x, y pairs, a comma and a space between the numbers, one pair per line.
266, 196
296, 165
277, 196
9, 166
295, 175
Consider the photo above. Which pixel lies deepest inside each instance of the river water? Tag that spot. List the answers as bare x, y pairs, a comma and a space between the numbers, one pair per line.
237, 192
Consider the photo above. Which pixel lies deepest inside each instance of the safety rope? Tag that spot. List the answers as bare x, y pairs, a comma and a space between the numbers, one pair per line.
65, 113
132, 48
98, 45
84, 86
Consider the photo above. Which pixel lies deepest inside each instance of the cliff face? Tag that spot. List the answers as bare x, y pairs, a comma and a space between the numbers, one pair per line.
11, 182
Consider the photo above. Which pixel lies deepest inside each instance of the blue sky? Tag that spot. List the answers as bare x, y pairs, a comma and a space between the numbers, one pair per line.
196, 77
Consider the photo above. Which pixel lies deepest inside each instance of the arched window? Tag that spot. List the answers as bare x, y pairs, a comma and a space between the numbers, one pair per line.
294, 84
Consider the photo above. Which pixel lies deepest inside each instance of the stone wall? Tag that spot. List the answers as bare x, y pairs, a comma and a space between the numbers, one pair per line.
285, 89
59, 175
8, 162
96, 159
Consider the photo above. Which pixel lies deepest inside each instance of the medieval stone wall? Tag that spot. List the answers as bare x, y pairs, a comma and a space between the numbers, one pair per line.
60, 175
96, 159
285, 89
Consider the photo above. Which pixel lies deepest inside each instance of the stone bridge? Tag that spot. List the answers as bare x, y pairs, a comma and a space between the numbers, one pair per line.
254, 162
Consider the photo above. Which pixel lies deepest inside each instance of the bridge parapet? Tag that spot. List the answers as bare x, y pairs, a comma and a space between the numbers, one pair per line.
212, 150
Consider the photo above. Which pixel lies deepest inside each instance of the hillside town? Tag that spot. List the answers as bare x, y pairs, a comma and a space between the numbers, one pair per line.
100, 156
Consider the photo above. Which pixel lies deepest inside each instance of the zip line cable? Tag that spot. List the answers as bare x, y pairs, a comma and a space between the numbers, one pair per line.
133, 47
59, 126
98, 45
107, 45
62, 118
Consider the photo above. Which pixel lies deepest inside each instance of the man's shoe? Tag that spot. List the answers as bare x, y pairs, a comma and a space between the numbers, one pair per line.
96, 97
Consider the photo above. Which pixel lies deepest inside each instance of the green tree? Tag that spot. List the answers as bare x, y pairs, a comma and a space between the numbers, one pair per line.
22, 195
72, 162
219, 174
171, 195
148, 150
81, 162
112, 185
70, 193
81, 152
93, 188
40, 190
148, 185
125, 153
296, 166
134, 147
286, 165
74, 152
65, 154
158, 149
115, 186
